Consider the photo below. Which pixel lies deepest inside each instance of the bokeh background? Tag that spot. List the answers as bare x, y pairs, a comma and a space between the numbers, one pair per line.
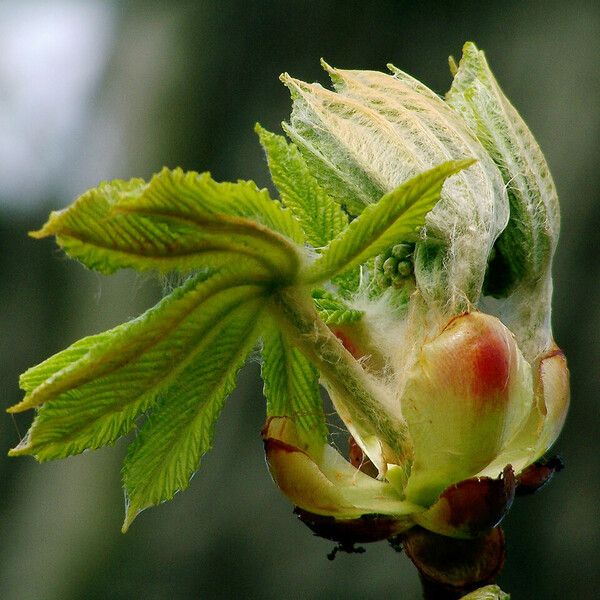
95, 90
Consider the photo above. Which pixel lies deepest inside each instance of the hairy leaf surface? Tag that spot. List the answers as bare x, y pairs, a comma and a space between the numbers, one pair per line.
291, 386
377, 131
180, 429
530, 237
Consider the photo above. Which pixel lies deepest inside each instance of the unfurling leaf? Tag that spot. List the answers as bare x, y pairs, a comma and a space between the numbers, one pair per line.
529, 240
377, 131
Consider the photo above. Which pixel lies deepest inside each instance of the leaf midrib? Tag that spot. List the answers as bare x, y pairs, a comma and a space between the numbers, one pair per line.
227, 247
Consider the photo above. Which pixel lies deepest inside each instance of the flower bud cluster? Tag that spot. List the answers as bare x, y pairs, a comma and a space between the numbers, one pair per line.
395, 268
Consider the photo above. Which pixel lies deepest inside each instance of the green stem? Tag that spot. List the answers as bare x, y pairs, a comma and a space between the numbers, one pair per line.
364, 400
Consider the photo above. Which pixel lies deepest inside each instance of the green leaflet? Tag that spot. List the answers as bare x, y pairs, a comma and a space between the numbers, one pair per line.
397, 217
178, 194
291, 386
525, 248
320, 217
178, 221
180, 429
36, 375
92, 392
333, 310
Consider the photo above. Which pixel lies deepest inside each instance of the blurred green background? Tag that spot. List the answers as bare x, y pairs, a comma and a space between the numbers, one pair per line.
96, 90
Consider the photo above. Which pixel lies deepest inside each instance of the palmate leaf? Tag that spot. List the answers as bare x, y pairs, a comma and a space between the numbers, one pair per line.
180, 429
320, 217
397, 217
291, 386
92, 392
178, 221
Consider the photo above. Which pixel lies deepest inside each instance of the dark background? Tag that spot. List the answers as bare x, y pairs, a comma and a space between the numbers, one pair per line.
96, 90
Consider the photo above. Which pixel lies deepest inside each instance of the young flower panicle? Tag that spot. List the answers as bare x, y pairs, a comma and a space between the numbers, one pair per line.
405, 267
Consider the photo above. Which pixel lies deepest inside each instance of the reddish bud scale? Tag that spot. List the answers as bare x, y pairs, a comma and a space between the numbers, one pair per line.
363, 530
480, 359
538, 475
491, 367
471, 507
348, 343
450, 568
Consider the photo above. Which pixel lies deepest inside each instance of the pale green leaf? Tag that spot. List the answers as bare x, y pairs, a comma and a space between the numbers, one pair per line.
328, 158
333, 310
320, 217
398, 217
377, 131
527, 244
178, 221
180, 429
94, 390
36, 375
291, 386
